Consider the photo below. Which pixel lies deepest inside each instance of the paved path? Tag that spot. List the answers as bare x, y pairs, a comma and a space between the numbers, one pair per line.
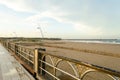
10, 69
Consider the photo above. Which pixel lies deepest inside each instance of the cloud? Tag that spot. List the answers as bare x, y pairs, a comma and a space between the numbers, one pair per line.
17, 5
31, 6
85, 29
48, 14
86, 17
11, 23
78, 25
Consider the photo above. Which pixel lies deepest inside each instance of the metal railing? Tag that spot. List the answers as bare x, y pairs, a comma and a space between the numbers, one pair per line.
77, 70
52, 67
23, 54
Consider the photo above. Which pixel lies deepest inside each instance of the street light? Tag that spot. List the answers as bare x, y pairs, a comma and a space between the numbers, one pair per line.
40, 31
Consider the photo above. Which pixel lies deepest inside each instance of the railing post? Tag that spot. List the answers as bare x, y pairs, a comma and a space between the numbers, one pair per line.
8, 46
36, 62
16, 49
42, 65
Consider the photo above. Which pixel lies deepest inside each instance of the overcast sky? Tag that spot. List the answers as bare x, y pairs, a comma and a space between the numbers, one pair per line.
60, 18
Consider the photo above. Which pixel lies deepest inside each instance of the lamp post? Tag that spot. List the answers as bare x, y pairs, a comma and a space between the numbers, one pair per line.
40, 31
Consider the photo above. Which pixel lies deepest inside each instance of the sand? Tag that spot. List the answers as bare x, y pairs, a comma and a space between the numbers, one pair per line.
95, 48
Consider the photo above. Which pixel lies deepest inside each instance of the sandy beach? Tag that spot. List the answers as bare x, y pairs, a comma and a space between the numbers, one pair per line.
95, 48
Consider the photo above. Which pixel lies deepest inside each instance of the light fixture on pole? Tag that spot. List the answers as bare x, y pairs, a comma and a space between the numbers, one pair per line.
40, 30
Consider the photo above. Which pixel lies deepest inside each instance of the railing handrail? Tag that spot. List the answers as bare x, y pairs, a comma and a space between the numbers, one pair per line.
93, 66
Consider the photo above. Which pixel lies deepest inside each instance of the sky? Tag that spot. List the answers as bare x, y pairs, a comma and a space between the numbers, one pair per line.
67, 19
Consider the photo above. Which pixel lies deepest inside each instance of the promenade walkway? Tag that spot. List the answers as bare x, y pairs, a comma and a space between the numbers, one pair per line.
10, 69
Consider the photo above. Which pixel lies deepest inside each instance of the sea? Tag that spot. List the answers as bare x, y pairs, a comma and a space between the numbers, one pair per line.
107, 41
